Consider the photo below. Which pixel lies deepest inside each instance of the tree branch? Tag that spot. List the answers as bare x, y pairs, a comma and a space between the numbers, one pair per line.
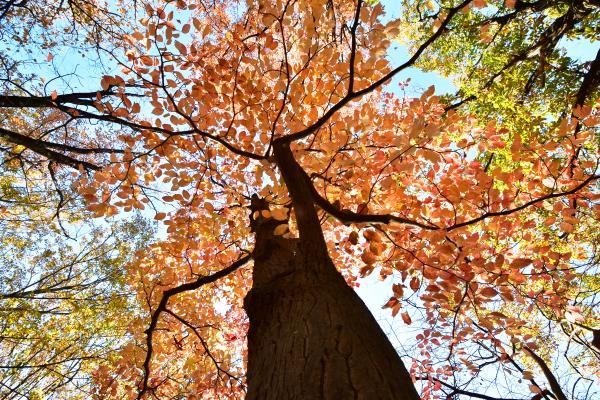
358, 94
347, 216
591, 81
583, 184
456, 390
40, 147
162, 307
554, 385
83, 98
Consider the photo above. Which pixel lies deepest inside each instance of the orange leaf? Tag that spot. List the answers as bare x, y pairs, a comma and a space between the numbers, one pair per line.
280, 214
566, 227
280, 229
534, 389
397, 289
368, 257
181, 48
520, 263
265, 213
406, 318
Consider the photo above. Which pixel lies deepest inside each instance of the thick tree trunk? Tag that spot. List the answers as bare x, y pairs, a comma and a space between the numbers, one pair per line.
311, 336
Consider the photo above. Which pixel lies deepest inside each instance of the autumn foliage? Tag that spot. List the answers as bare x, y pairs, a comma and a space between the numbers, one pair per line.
485, 230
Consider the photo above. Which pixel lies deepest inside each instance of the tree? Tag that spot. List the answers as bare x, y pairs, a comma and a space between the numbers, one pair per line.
518, 54
63, 299
279, 108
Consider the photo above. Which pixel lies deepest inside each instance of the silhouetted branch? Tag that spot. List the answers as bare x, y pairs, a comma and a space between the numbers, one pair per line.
162, 307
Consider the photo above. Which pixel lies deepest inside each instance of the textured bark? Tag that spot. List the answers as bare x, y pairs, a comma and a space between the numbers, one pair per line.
311, 336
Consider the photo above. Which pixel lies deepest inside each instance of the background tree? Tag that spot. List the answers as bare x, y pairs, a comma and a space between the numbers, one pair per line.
513, 59
63, 302
279, 107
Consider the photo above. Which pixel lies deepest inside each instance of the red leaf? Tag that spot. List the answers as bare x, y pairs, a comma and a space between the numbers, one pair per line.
488, 292
415, 283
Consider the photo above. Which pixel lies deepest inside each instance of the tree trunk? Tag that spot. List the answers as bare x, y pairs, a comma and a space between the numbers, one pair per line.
311, 336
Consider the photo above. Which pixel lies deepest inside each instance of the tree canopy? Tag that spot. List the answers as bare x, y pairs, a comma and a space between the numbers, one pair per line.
266, 141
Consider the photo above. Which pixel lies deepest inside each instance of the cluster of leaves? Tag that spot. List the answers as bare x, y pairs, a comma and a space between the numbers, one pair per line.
514, 62
510, 56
